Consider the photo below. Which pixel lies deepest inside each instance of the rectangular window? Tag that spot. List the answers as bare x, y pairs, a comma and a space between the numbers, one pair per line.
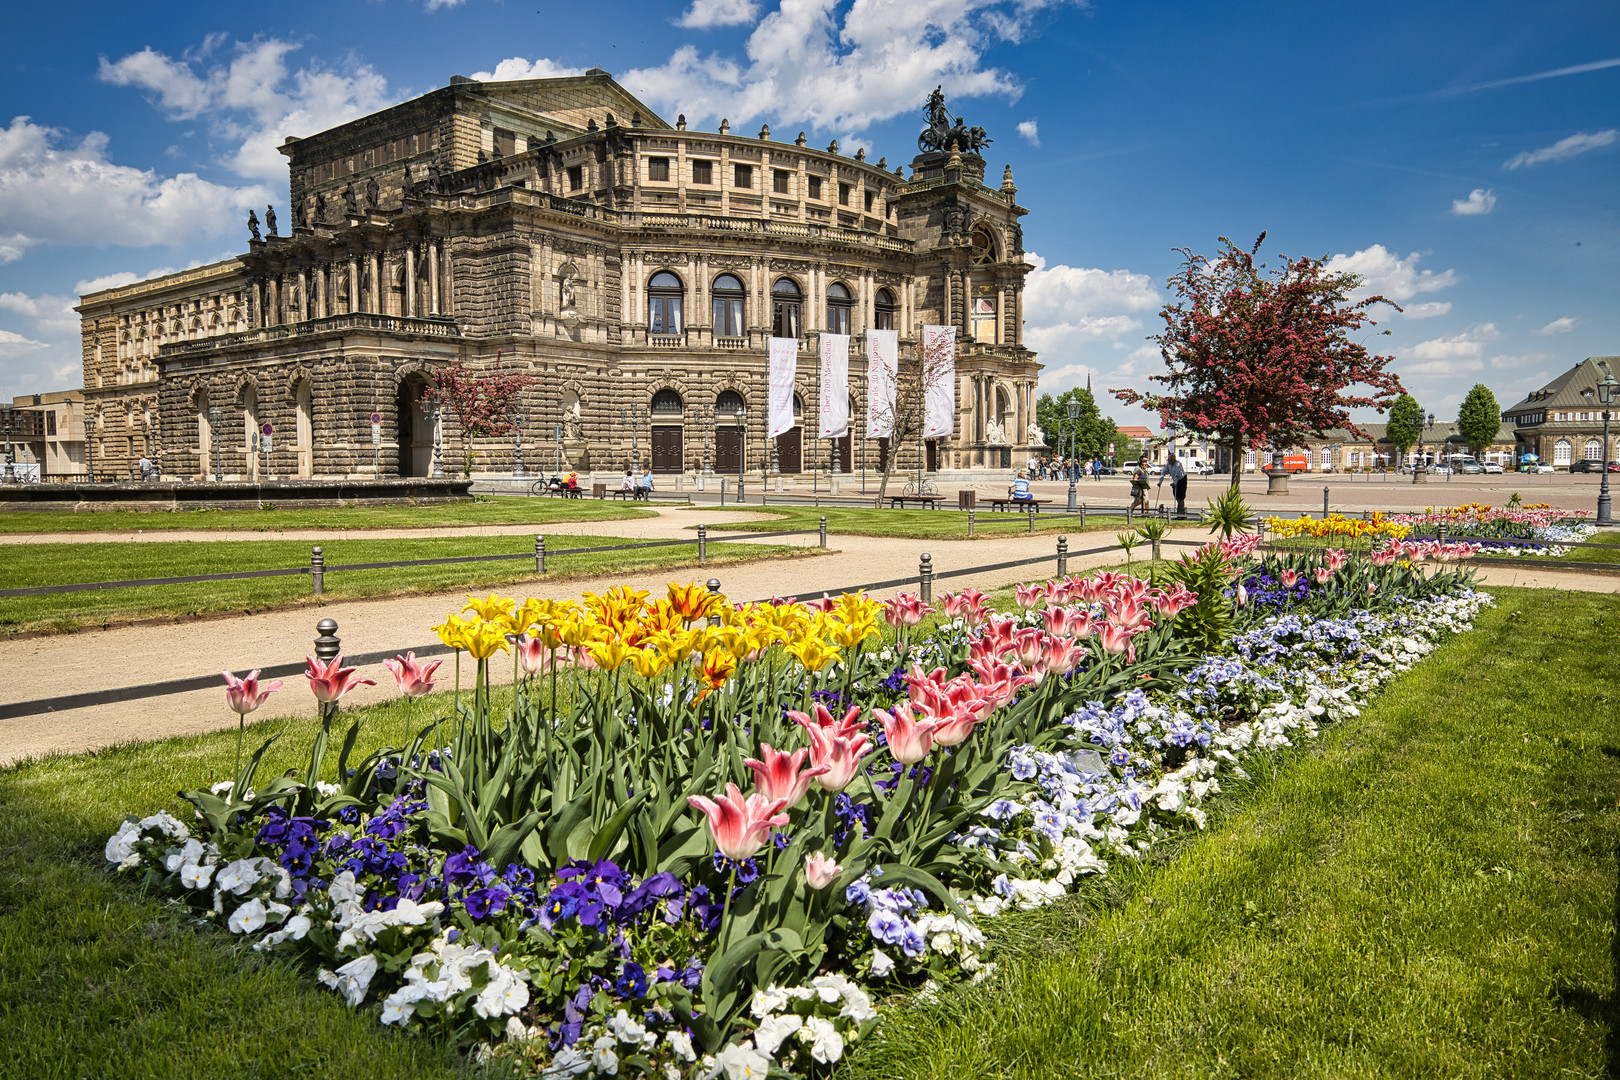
779, 181
702, 172
843, 194
576, 177
505, 142
664, 314
868, 202
658, 168
728, 317
838, 318
815, 187
742, 176
50, 422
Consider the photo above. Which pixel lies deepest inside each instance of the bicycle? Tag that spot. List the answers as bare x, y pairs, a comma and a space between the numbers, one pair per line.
919, 485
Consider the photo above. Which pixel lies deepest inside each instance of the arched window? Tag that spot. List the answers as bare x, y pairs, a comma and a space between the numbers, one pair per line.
984, 248
883, 308
664, 295
667, 403
838, 308
1562, 452
798, 409
786, 301
729, 403
728, 306
1594, 450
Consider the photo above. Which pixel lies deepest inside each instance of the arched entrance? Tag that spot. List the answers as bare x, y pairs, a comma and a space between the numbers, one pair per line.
304, 406
415, 427
668, 411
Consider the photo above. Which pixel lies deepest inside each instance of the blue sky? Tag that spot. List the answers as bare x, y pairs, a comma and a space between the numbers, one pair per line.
1464, 157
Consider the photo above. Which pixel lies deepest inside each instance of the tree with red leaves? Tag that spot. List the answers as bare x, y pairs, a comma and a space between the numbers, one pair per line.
1262, 357
486, 406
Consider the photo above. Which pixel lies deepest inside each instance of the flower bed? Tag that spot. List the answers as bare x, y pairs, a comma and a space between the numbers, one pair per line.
578, 879
1534, 530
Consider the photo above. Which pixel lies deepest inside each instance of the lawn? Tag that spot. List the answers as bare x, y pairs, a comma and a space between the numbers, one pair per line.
52, 564
1428, 891
499, 510
916, 524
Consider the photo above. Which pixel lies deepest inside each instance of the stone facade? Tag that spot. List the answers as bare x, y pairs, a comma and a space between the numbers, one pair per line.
1562, 422
558, 228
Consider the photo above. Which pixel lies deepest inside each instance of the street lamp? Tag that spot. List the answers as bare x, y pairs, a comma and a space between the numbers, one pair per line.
706, 420
1073, 409
742, 447
438, 441
8, 414
1608, 392
520, 417
214, 418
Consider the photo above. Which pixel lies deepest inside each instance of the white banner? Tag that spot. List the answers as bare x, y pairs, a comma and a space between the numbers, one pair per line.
784, 366
939, 381
834, 386
882, 367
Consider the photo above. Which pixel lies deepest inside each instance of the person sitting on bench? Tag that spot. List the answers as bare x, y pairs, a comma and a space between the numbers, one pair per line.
1020, 489
571, 486
628, 484
644, 486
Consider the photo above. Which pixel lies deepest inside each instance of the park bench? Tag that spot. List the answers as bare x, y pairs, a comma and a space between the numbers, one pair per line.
1007, 502
930, 501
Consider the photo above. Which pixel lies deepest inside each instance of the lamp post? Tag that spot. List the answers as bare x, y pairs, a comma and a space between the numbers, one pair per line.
519, 419
438, 441
1073, 409
214, 417
742, 447
8, 415
1608, 391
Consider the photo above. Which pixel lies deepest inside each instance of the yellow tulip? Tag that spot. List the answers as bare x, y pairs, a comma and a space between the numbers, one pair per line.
453, 631
496, 609
813, 653
486, 638
693, 602
648, 662
609, 655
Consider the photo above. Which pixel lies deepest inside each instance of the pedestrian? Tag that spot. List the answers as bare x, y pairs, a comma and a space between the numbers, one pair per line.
1019, 489
1177, 475
645, 487
146, 467
1139, 484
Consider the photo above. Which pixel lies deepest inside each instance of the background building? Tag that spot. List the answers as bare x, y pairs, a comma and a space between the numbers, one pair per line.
559, 228
1562, 423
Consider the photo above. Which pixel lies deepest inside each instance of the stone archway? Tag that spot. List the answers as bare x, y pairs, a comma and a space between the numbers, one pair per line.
414, 426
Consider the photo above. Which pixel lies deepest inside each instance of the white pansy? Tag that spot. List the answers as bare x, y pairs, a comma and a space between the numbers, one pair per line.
121, 845
238, 876
568, 1062
604, 1059
327, 790
826, 1045
680, 1043
352, 980
248, 918
175, 858
196, 875
882, 964
515, 1031
773, 1030
740, 1061
624, 1028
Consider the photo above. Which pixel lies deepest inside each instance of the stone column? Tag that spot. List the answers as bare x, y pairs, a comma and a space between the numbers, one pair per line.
433, 277
354, 283
408, 298
377, 306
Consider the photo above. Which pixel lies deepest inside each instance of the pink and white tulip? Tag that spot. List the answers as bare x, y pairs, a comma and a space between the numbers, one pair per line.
778, 775
415, 679
330, 681
740, 827
820, 871
910, 739
245, 694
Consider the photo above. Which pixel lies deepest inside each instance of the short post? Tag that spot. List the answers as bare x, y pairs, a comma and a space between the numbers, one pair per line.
739, 491
317, 571
1030, 514
970, 523
1082, 515
1324, 502
823, 530
925, 577
714, 590
1155, 543
722, 491
1127, 514
703, 544
327, 648
539, 554
1063, 556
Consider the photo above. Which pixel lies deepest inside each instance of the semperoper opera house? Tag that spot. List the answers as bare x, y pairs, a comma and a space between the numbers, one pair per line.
559, 228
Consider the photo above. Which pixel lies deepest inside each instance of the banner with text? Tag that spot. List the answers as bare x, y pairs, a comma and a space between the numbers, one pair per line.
939, 381
784, 368
882, 368
834, 386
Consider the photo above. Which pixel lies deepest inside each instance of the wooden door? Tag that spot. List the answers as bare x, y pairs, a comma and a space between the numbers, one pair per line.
841, 447
666, 450
727, 442
933, 455
789, 452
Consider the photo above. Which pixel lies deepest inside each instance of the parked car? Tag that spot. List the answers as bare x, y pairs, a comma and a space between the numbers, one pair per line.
1471, 468
1584, 466
1200, 468
1542, 469
1614, 466
1492, 467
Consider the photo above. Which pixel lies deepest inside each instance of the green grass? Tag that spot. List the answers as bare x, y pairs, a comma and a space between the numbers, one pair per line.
917, 524
500, 510
52, 564
1429, 890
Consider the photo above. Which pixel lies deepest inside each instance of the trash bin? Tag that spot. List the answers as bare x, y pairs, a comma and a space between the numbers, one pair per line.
967, 500
598, 491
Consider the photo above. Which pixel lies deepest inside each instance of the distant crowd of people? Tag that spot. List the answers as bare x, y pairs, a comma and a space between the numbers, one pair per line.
1073, 468
1068, 468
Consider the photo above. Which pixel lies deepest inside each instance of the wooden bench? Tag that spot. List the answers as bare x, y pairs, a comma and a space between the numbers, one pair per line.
1007, 502
633, 496
930, 501
565, 493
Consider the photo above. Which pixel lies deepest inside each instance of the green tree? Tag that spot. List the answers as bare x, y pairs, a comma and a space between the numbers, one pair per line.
1478, 420
1093, 430
1405, 425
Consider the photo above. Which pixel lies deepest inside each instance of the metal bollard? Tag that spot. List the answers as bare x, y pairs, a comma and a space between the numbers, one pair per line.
539, 554
722, 491
327, 645
823, 530
1082, 515
925, 577
970, 523
317, 570
739, 491
714, 590
1063, 556
1324, 501
1155, 543
703, 544
1030, 513
1127, 515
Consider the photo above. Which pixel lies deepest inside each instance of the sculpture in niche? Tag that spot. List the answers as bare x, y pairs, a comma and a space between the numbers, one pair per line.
253, 225
994, 433
1037, 437
320, 208
373, 193
941, 136
300, 215
565, 292
351, 205
270, 220
572, 421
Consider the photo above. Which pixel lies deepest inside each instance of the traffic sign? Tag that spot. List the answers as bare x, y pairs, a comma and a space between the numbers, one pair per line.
267, 429
376, 418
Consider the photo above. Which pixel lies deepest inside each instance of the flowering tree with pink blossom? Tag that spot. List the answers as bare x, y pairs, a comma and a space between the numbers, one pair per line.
486, 406
1260, 356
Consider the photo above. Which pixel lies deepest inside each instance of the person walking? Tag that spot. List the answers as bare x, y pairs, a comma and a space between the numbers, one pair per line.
1139, 485
1177, 475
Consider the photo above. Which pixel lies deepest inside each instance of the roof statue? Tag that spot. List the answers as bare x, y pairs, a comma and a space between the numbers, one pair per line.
942, 136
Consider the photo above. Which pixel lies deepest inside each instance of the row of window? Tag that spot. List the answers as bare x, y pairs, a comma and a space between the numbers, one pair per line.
1564, 451
742, 176
666, 294
727, 404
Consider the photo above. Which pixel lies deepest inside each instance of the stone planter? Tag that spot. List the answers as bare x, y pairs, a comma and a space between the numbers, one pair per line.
1420, 475
1276, 481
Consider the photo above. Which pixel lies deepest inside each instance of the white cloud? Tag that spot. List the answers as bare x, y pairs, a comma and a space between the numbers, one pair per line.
1030, 131
1384, 273
1454, 355
805, 65
1416, 312
519, 68
435, 5
52, 191
704, 14
53, 316
12, 344
1558, 326
254, 101
1479, 201
1068, 306
1563, 149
